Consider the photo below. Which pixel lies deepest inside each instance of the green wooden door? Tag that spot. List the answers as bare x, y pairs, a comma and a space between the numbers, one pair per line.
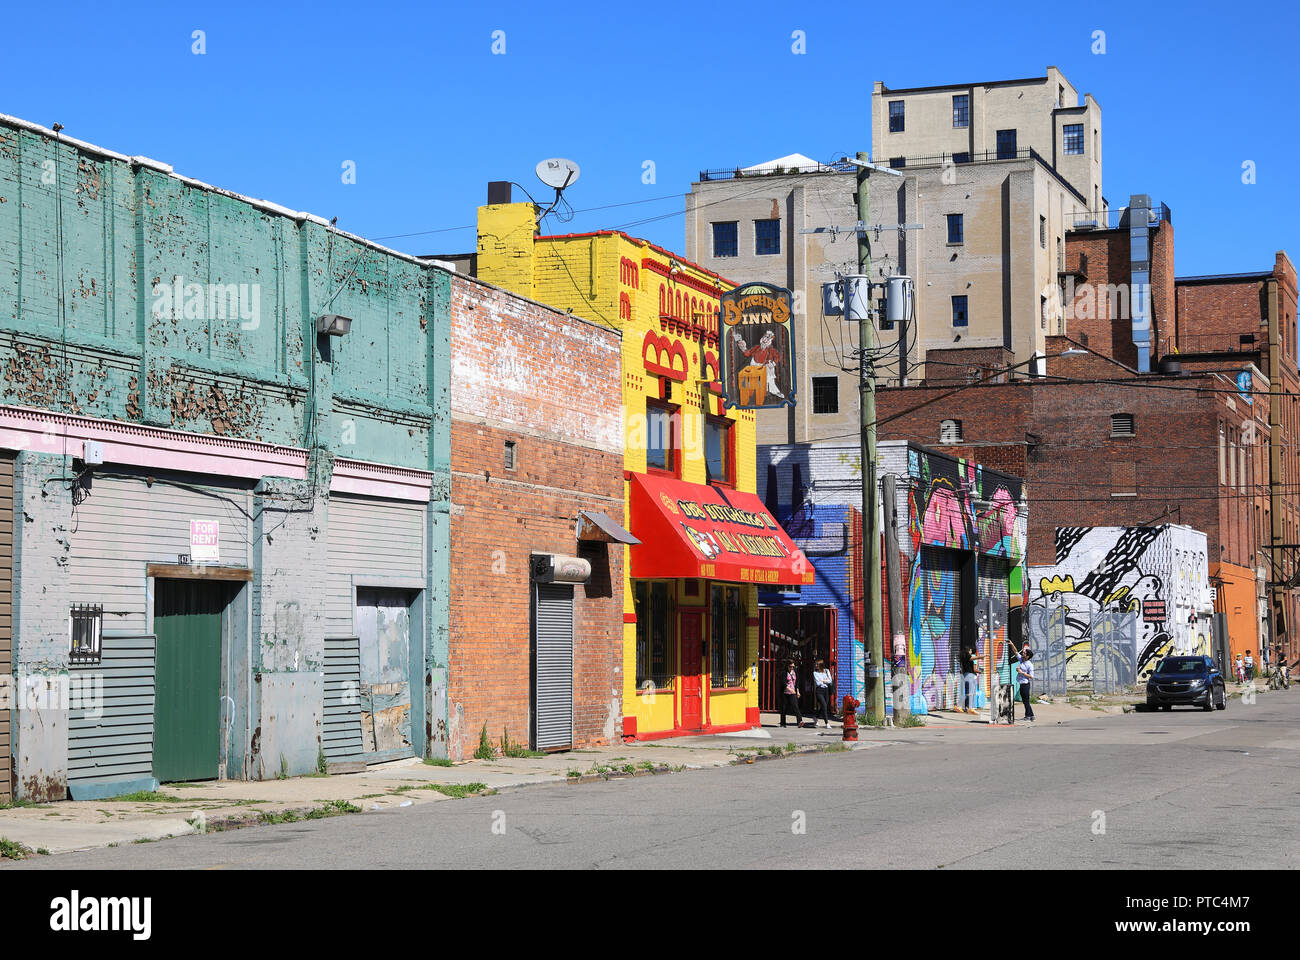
187, 686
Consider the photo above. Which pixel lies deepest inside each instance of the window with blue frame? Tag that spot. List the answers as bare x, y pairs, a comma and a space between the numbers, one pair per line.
959, 316
767, 237
956, 228
1073, 138
895, 116
1006, 144
961, 110
726, 240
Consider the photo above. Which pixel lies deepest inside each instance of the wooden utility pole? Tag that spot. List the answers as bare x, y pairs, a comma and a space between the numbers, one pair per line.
875, 689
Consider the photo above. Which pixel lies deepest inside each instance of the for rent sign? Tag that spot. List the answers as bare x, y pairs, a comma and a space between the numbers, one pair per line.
205, 541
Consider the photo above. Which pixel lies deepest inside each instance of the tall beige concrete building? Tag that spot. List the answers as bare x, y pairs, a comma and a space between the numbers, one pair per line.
992, 175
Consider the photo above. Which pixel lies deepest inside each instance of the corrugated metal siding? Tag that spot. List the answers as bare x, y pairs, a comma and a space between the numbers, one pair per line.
125, 524
6, 614
112, 739
341, 729
553, 666
367, 537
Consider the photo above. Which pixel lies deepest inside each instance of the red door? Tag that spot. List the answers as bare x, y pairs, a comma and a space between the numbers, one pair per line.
691, 682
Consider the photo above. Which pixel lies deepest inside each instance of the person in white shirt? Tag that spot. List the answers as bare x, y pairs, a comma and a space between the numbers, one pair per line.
822, 679
1025, 676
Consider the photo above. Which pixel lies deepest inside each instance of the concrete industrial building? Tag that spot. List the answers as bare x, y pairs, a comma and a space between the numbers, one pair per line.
994, 180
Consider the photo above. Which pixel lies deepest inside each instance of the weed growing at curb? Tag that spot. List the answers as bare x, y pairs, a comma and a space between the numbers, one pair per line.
439, 761
13, 850
457, 790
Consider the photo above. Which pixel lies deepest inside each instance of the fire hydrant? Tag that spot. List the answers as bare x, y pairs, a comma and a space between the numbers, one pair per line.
849, 709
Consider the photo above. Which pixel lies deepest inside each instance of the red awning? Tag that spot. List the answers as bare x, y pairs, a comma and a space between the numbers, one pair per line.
694, 530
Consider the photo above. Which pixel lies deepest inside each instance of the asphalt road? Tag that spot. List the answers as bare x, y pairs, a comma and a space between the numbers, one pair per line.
1183, 790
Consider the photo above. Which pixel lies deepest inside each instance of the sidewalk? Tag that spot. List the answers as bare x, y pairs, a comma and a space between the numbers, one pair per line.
179, 809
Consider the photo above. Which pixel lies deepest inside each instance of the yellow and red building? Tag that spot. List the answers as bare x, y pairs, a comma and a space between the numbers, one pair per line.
690, 586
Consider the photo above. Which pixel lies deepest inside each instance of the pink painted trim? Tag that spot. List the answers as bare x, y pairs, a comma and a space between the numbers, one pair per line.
42, 431
381, 480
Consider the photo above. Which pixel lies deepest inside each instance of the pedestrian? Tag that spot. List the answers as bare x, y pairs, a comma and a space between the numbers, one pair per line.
972, 667
822, 679
1025, 674
1239, 669
790, 700
1250, 666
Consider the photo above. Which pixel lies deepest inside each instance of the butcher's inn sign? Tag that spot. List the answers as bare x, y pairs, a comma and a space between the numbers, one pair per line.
757, 347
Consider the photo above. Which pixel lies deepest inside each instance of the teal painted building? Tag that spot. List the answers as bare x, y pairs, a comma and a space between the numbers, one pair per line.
230, 531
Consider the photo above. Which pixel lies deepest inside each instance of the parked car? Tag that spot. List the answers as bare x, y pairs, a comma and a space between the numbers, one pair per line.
1195, 681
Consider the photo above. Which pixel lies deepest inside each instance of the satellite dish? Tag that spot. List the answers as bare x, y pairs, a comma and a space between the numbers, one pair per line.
558, 172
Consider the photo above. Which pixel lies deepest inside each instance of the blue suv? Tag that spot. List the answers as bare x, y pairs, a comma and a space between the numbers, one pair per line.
1195, 681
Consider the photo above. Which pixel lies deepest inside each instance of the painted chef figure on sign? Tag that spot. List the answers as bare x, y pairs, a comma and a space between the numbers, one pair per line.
764, 355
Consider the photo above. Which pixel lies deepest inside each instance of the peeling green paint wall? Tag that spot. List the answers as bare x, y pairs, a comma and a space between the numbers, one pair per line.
185, 307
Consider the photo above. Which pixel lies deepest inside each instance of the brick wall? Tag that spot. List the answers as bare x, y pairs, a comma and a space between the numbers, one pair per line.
550, 384
1058, 437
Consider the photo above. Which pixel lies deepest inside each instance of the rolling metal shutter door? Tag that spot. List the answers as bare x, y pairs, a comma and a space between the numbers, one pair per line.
939, 629
6, 614
341, 727
110, 743
553, 666
993, 584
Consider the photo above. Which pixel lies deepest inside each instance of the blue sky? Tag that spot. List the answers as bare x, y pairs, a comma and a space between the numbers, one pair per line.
414, 96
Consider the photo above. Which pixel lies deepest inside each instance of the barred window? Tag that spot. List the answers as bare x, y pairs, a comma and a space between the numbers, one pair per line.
85, 630
726, 630
654, 635
826, 394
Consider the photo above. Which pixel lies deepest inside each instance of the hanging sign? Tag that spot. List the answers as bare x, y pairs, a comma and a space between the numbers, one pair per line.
757, 347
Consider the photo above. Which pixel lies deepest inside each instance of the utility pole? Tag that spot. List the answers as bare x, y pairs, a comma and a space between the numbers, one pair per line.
874, 693
875, 690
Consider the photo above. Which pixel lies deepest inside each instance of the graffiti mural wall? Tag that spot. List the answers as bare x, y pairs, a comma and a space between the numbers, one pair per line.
954, 509
1157, 576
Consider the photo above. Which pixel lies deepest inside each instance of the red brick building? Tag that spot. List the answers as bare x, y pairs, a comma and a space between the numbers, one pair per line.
536, 440
1228, 321
1100, 445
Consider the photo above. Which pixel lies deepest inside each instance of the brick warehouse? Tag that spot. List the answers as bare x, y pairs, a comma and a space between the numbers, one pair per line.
536, 440
1229, 322
1098, 444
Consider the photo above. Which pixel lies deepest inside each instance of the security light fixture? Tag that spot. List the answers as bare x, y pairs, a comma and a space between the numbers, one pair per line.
333, 324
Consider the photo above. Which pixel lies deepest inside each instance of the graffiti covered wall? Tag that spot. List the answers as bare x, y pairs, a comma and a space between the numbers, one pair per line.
955, 509
1158, 576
